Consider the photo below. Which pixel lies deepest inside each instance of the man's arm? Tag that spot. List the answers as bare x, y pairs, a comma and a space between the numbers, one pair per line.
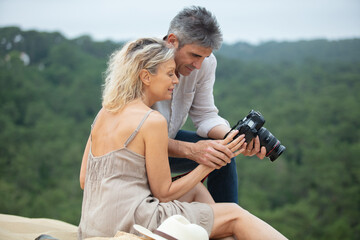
210, 152
207, 152
219, 131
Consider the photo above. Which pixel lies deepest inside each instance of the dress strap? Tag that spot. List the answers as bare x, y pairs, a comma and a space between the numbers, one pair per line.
92, 126
132, 136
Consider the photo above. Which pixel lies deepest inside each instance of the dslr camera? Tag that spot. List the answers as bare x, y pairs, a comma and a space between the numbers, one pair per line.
252, 126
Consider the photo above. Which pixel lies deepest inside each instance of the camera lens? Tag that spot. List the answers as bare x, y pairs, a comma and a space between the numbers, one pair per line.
273, 146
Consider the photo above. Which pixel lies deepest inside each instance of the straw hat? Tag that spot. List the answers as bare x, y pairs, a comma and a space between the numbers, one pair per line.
175, 227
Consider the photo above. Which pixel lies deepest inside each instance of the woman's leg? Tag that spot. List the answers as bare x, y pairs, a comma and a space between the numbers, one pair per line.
198, 194
230, 219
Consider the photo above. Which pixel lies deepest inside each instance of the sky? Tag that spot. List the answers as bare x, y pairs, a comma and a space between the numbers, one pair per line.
252, 21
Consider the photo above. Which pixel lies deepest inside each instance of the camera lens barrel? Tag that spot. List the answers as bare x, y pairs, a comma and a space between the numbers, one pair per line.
273, 146
252, 126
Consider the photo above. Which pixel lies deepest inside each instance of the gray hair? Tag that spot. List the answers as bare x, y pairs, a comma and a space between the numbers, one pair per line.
196, 25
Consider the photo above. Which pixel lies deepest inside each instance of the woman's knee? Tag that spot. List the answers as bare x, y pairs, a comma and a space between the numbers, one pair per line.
203, 195
231, 212
234, 207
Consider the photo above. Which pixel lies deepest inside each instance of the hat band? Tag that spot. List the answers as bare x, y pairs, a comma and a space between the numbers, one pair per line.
164, 235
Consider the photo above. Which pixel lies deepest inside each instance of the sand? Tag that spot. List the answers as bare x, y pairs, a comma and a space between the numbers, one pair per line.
16, 228
22, 228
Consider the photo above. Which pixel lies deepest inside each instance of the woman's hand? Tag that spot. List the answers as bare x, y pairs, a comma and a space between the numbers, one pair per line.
236, 145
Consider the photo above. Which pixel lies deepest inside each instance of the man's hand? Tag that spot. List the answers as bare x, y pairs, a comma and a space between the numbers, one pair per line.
253, 148
217, 153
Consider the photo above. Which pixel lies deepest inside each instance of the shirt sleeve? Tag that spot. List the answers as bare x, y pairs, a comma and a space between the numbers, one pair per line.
203, 111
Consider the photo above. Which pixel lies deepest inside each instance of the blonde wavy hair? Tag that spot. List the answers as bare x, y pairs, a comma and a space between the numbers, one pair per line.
122, 77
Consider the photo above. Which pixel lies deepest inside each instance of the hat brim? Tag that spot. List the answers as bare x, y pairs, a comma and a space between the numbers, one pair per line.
147, 232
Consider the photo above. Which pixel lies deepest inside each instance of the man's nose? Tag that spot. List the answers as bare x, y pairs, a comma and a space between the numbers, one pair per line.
197, 63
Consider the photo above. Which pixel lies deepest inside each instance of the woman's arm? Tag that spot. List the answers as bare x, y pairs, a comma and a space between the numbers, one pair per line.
157, 162
83, 164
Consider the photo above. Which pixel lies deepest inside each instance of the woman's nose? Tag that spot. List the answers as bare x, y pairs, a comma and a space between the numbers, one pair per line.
175, 79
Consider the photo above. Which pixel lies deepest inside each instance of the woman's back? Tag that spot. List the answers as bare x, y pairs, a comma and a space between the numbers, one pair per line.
111, 130
116, 182
117, 193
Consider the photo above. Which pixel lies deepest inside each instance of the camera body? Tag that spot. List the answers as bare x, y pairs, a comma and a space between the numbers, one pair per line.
252, 126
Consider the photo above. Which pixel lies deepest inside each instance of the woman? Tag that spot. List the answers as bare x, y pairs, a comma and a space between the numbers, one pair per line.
125, 171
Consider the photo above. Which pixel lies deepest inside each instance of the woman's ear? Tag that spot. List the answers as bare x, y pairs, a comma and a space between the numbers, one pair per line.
173, 40
145, 77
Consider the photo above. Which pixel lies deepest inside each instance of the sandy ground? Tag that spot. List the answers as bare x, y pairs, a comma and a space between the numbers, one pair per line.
22, 228
16, 228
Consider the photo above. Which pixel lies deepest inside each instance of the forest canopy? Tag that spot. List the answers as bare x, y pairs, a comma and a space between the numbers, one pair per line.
308, 92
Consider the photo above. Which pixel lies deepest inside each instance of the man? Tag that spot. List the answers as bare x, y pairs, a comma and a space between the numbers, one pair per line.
195, 33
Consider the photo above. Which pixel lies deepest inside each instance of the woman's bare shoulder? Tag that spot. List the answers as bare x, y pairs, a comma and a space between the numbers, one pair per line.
156, 119
154, 124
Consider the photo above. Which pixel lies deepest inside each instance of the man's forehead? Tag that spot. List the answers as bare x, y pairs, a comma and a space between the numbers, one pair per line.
198, 49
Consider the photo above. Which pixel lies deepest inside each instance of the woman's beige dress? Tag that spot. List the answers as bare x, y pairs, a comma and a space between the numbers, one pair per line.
117, 195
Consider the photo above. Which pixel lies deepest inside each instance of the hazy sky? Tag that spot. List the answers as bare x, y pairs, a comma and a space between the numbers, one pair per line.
253, 21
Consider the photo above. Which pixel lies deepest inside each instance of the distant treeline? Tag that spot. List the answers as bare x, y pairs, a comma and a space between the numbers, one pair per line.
346, 50
308, 92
